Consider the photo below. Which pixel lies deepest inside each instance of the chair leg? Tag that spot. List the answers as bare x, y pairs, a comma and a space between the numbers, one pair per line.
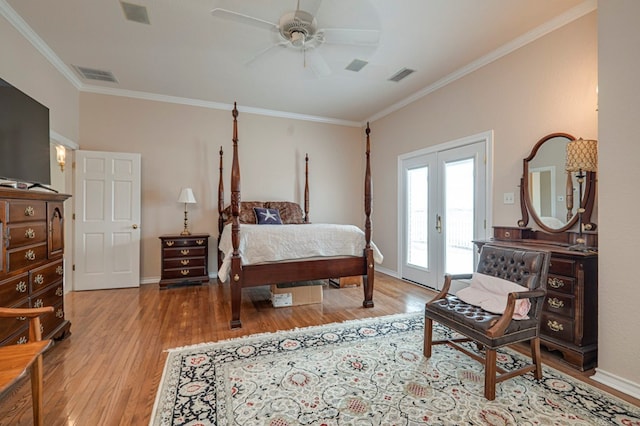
490, 374
36, 391
536, 358
428, 335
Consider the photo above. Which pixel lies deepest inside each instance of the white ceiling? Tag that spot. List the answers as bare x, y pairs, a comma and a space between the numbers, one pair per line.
188, 55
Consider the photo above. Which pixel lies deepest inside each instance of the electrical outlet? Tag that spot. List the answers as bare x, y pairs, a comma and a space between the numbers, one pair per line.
509, 198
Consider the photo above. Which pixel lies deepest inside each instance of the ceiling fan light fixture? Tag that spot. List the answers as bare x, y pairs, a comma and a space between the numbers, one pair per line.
297, 39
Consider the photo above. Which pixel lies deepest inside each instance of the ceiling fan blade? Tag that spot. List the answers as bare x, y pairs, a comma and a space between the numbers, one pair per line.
311, 6
230, 15
264, 51
351, 36
317, 63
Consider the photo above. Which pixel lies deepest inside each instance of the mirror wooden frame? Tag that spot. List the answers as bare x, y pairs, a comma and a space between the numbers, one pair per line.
587, 202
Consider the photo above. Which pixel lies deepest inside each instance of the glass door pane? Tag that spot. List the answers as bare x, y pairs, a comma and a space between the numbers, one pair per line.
459, 215
417, 217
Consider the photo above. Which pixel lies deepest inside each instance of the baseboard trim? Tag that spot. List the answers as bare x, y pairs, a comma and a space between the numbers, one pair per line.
389, 272
616, 382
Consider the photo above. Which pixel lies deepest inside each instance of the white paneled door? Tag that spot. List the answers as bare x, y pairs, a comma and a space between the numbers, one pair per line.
107, 220
443, 209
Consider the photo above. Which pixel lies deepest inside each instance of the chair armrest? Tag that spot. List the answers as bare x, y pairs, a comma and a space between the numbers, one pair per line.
24, 312
501, 325
33, 313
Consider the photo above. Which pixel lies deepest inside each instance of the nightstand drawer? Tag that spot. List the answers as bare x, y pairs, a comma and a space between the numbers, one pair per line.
557, 327
562, 267
185, 242
560, 304
189, 262
183, 252
560, 284
184, 273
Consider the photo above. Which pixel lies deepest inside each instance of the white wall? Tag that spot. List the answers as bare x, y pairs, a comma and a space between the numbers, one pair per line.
619, 153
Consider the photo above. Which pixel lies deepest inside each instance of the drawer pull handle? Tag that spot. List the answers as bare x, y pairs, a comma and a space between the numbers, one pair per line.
185, 251
185, 262
21, 287
60, 270
555, 303
38, 304
184, 272
170, 243
199, 242
30, 255
555, 326
29, 211
60, 313
555, 283
30, 234
507, 234
21, 318
59, 291
39, 279
22, 340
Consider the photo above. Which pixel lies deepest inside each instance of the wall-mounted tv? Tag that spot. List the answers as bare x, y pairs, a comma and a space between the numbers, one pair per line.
24, 137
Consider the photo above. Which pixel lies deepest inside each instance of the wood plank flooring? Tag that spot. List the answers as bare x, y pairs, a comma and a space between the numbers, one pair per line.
107, 372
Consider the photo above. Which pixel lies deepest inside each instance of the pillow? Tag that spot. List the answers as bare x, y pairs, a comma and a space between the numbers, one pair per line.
266, 216
290, 212
247, 215
490, 293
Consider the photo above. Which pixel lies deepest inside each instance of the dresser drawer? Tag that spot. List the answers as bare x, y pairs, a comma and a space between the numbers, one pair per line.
557, 327
14, 290
52, 295
26, 257
22, 235
185, 273
184, 252
9, 326
560, 304
51, 321
185, 242
27, 211
561, 284
565, 267
46, 275
189, 262
18, 338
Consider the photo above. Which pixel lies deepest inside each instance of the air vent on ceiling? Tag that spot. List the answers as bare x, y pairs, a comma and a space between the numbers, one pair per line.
135, 13
356, 65
93, 74
403, 73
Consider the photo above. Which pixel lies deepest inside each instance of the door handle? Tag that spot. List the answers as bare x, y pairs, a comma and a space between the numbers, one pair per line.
135, 226
439, 224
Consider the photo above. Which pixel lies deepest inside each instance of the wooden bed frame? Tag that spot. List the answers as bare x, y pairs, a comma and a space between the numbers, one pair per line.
242, 276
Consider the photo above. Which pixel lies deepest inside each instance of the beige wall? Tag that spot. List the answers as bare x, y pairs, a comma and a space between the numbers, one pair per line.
180, 144
547, 86
619, 151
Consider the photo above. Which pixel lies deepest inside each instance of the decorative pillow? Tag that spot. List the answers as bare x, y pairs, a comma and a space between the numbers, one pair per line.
247, 215
490, 293
267, 216
290, 212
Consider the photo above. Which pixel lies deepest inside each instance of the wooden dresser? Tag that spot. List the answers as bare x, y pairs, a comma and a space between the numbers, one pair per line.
31, 261
184, 259
570, 312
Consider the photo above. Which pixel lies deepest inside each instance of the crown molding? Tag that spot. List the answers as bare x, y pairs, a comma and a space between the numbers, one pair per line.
62, 140
559, 21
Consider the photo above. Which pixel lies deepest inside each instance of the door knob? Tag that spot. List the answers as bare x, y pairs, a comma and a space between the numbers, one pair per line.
135, 226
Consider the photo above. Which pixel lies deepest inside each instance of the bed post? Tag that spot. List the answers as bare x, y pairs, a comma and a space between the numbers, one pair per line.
306, 188
367, 280
236, 264
220, 208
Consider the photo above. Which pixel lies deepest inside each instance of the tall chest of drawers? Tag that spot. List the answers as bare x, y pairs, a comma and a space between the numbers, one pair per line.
570, 313
184, 259
31, 261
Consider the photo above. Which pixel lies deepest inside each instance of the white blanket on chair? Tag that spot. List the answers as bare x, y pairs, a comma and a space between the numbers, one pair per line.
275, 243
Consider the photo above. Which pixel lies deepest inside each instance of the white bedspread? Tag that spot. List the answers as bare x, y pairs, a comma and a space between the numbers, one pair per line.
273, 243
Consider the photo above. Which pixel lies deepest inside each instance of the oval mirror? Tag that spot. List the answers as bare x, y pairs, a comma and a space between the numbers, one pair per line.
548, 192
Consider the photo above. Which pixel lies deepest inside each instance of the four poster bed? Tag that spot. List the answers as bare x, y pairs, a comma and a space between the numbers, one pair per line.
249, 255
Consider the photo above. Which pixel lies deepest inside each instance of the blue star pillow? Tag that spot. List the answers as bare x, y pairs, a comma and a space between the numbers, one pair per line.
267, 216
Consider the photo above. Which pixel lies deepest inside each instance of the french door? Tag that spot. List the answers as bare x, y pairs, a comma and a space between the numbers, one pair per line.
443, 209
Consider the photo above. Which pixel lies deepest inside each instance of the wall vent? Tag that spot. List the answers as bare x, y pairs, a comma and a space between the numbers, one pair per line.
356, 65
403, 73
93, 74
135, 13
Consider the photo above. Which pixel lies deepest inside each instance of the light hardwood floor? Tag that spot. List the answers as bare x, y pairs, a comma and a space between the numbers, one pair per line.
107, 372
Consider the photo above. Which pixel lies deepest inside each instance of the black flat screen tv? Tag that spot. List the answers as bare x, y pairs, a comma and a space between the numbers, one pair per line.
24, 137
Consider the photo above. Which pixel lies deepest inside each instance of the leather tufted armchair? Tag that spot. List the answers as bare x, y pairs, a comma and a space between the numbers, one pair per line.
490, 331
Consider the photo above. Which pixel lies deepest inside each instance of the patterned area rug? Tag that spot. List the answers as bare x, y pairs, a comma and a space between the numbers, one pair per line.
368, 372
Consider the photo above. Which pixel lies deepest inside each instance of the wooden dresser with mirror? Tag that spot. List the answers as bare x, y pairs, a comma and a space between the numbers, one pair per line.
550, 196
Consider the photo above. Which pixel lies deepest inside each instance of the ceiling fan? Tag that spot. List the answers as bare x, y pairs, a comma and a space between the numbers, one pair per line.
298, 30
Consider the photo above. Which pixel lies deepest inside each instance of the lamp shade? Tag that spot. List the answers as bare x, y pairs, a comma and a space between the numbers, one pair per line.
186, 196
582, 155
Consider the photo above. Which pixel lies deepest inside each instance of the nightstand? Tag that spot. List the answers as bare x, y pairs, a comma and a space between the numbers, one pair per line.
184, 259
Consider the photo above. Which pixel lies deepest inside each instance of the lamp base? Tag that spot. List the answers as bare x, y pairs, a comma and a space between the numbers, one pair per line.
185, 232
